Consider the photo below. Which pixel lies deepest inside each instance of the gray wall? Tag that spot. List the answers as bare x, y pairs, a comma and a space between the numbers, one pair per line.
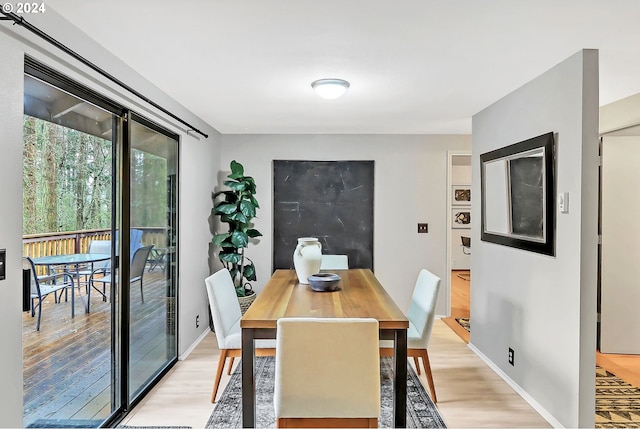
544, 307
410, 187
199, 165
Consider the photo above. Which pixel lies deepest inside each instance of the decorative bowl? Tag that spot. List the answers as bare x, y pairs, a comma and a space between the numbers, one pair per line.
324, 282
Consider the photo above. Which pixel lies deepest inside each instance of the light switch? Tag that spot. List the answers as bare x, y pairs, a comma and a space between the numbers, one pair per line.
563, 202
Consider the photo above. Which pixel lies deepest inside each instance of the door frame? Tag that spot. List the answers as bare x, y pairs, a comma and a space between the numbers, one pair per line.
450, 155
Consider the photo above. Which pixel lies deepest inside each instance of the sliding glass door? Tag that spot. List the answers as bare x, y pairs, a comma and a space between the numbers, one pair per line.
153, 213
92, 170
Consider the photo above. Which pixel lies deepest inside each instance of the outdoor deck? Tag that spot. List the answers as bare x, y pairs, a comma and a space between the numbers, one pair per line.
67, 364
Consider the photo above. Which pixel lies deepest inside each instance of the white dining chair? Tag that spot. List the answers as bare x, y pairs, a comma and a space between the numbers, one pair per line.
327, 372
334, 262
420, 314
226, 314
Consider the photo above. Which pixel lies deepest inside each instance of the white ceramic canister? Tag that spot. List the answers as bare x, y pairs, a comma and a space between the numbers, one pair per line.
307, 258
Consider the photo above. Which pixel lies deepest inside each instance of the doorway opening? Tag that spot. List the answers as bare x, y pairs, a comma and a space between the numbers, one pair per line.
617, 350
459, 245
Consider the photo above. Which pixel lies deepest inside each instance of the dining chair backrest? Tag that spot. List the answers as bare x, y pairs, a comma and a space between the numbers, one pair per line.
100, 246
52, 283
139, 262
327, 368
135, 241
225, 308
423, 303
334, 262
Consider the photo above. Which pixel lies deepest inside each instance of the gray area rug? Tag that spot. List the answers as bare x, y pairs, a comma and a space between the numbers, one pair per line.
421, 411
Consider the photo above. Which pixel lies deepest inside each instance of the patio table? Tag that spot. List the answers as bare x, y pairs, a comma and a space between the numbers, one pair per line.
74, 259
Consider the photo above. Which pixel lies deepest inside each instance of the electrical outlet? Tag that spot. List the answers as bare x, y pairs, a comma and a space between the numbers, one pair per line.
423, 228
197, 321
511, 356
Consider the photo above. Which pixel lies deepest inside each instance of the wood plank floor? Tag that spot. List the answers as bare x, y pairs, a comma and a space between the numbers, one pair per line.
67, 364
469, 393
626, 367
460, 305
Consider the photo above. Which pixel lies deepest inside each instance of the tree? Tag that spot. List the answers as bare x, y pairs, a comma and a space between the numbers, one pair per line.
67, 179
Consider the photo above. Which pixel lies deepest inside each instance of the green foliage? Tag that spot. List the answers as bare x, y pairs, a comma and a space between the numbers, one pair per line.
67, 181
237, 207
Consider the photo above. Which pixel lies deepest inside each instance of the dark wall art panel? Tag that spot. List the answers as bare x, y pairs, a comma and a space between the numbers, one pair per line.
330, 200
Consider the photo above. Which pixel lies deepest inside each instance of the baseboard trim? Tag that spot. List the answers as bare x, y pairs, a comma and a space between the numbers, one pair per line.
192, 347
528, 398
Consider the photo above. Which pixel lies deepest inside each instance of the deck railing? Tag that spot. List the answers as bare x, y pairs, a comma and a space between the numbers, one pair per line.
65, 243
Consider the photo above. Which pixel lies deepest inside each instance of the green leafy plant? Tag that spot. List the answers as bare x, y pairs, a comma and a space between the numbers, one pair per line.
237, 207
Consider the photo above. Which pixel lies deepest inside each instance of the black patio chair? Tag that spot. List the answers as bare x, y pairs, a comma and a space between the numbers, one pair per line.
138, 264
41, 286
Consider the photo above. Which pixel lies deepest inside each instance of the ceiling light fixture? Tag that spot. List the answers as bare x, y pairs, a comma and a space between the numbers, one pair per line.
330, 88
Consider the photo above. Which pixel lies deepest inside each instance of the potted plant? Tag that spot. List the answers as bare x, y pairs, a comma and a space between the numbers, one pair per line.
237, 208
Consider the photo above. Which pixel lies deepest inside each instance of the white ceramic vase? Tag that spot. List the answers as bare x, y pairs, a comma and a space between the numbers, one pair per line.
307, 258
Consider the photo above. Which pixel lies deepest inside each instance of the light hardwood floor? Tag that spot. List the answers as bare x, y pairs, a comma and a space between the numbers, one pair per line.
469, 393
460, 305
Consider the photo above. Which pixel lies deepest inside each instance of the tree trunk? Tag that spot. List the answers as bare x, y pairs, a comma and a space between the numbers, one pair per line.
50, 178
81, 181
29, 181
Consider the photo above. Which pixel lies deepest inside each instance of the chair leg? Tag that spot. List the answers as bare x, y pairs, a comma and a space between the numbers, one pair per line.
216, 383
230, 365
427, 371
89, 287
141, 294
39, 315
417, 362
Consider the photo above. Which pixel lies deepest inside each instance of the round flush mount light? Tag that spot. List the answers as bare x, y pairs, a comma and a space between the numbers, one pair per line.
330, 88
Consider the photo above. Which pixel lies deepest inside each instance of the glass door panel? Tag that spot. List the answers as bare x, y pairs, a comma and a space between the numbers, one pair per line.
67, 217
153, 221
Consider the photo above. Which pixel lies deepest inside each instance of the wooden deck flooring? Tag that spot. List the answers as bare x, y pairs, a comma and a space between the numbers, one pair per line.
67, 364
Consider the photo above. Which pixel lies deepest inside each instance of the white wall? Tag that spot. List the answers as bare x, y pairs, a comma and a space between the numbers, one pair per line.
620, 114
619, 294
410, 187
544, 307
199, 165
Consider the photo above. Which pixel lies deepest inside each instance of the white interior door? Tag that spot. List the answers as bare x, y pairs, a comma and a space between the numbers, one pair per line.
620, 263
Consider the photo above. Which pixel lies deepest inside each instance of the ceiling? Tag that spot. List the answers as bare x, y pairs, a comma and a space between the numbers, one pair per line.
415, 67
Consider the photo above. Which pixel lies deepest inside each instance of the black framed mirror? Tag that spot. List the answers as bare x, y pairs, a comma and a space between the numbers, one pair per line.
518, 195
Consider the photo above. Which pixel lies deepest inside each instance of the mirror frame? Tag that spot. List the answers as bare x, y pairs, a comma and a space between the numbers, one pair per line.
546, 245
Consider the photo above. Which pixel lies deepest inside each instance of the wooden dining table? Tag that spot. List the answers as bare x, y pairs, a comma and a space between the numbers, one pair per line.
361, 295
